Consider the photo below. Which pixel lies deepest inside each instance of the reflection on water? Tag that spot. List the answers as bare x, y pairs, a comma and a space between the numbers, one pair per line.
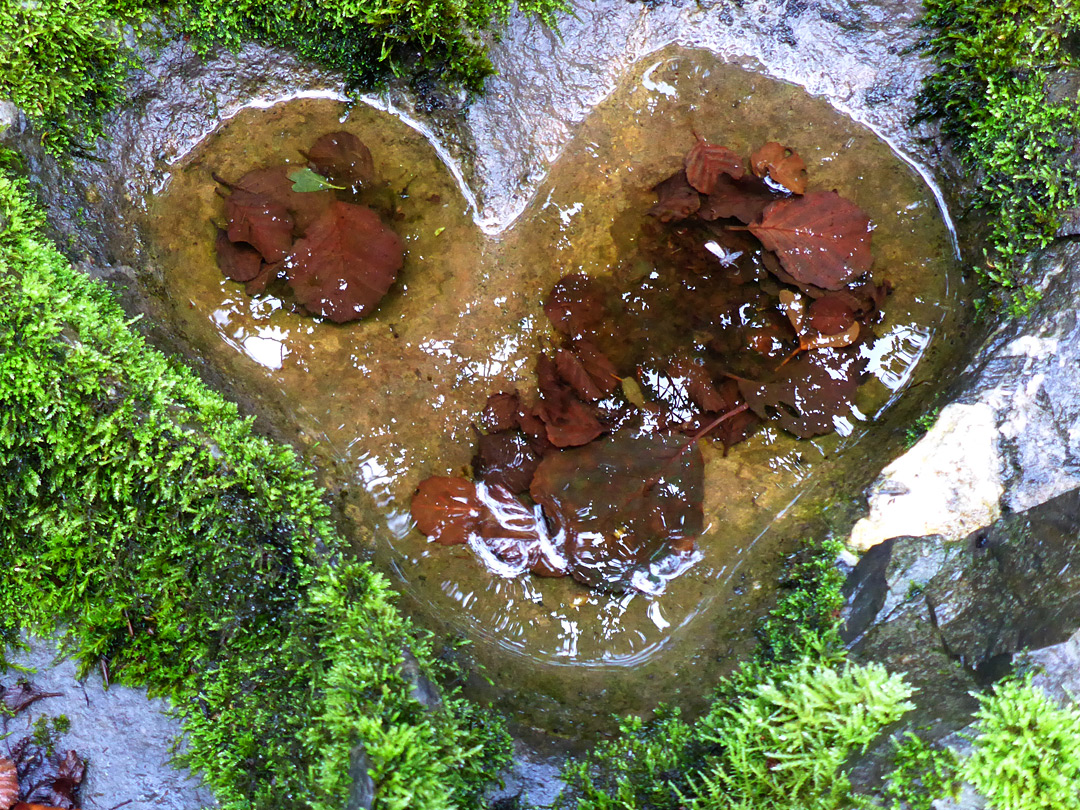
391, 400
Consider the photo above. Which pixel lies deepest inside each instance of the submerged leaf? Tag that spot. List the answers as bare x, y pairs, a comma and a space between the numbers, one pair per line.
743, 199
676, 199
306, 181
447, 509
821, 239
575, 304
275, 184
505, 459
343, 158
622, 502
345, 264
831, 315
706, 162
782, 164
237, 261
260, 222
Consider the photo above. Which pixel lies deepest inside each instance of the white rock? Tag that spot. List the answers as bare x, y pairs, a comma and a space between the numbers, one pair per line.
947, 484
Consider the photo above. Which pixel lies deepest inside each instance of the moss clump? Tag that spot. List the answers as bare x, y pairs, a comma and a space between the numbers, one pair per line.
64, 61
778, 731
993, 96
1026, 752
179, 551
921, 774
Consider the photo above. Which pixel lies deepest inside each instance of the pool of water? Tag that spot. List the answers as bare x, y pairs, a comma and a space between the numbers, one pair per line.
382, 403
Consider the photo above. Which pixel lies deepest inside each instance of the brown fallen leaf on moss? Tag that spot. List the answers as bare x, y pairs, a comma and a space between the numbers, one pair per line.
447, 509
821, 238
345, 264
343, 159
782, 164
706, 162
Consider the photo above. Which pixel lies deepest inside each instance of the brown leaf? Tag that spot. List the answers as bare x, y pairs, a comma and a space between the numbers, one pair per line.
275, 184
699, 384
59, 789
568, 421
676, 199
706, 162
500, 412
238, 261
821, 238
9, 783
505, 459
342, 159
782, 164
830, 315
743, 199
345, 264
574, 373
447, 509
596, 364
264, 224
622, 502
575, 304
267, 273
509, 530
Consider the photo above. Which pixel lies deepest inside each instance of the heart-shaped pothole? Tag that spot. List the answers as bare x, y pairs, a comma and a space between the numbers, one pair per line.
391, 399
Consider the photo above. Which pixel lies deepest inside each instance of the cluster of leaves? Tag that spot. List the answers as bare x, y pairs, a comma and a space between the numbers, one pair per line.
34, 776
1026, 750
175, 549
284, 223
994, 95
755, 306
778, 731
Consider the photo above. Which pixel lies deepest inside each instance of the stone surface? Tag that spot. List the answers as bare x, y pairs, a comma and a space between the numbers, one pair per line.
125, 737
948, 484
953, 615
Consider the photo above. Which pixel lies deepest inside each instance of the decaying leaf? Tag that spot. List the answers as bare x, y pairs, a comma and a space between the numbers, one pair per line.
622, 502
706, 162
345, 264
46, 779
260, 222
744, 199
575, 305
782, 164
9, 784
676, 199
343, 159
447, 509
574, 374
505, 459
821, 238
276, 185
21, 694
831, 315
237, 261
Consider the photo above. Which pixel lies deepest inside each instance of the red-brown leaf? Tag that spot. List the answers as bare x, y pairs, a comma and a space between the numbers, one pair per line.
342, 159
699, 384
500, 412
821, 239
743, 199
505, 459
238, 261
510, 530
9, 783
275, 184
568, 420
574, 373
600, 369
782, 164
676, 199
447, 509
264, 224
706, 162
345, 264
830, 315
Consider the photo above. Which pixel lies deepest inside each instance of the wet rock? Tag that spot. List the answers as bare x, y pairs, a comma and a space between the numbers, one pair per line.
421, 687
362, 792
1057, 670
953, 615
948, 484
534, 780
125, 737
9, 120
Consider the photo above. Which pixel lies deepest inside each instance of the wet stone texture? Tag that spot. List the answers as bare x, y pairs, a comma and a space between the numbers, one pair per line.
953, 615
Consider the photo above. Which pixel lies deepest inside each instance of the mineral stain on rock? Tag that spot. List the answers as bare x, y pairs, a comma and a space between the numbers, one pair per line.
392, 399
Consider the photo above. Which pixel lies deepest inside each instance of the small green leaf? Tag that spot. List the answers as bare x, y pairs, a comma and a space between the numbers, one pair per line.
307, 180
439, 230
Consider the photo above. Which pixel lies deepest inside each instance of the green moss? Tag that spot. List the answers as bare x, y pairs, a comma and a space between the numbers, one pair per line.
177, 550
779, 727
1026, 752
921, 774
64, 61
920, 426
992, 95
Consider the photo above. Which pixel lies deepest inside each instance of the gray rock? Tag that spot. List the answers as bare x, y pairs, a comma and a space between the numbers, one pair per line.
362, 792
125, 737
1057, 670
421, 687
953, 615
